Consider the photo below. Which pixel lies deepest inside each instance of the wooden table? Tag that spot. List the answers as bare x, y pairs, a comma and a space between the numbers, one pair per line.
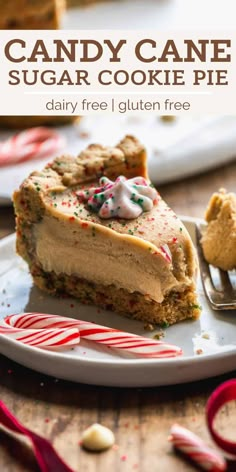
140, 418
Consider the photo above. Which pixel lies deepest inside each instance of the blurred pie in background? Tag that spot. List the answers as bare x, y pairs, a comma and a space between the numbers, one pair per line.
30, 121
72, 3
32, 14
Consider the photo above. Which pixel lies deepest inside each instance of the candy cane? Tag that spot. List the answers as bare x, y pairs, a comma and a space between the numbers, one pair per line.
113, 338
193, 446
44, 338
34, 143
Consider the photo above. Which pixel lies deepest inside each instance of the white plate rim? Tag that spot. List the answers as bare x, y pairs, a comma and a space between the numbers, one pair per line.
121, 362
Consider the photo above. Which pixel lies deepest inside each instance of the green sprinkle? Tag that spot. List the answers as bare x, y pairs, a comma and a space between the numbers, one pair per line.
165, 324
196, 307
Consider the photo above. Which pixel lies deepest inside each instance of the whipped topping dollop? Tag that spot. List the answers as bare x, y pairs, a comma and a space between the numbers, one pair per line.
124, 198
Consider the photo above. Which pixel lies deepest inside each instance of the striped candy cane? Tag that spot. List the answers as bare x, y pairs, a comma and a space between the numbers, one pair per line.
193, 446
34, 143
113, 338
44, 338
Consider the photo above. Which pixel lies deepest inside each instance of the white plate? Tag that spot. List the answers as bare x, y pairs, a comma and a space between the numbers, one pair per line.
100, 366
175, 150
170, 15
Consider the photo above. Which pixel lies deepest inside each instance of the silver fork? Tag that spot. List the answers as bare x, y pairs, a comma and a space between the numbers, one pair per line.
219, 299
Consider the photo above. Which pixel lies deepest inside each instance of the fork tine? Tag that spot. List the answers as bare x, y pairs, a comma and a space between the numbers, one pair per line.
205, 270
226, 283
219, 300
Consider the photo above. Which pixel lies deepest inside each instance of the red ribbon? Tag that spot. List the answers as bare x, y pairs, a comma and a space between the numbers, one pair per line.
46, 456
49, 460
225, 393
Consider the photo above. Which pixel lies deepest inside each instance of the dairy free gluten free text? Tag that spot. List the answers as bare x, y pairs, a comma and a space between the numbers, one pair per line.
85, 106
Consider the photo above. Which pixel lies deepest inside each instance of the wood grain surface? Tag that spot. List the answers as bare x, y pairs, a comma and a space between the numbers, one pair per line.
139, 418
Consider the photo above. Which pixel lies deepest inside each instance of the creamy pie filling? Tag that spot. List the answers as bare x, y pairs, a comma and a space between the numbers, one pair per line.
72, 249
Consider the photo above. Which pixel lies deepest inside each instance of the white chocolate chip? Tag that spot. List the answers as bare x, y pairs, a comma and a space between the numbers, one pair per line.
97, 438
205, 335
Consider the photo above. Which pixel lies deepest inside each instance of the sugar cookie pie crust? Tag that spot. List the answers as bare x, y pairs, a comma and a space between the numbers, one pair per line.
45, 201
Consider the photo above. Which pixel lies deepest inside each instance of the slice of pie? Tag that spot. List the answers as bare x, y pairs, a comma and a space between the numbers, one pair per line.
30, 121
31, 14
95, 228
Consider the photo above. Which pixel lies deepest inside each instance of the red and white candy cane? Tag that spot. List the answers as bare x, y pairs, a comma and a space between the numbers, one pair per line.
113, 338
44, 338
193, 446
34, 143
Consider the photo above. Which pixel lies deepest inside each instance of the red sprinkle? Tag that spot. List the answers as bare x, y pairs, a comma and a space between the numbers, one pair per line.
115, 447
